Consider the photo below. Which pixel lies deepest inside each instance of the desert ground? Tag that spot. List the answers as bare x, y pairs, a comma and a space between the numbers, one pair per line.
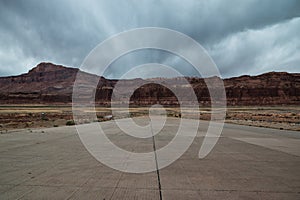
39, 116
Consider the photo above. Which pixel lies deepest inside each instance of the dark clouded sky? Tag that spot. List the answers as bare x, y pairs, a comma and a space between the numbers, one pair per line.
243, 37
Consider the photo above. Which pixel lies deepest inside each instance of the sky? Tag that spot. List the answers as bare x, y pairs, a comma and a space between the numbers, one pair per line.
242, 37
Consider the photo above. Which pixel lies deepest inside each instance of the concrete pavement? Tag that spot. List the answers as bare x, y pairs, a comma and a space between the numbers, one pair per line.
246, 163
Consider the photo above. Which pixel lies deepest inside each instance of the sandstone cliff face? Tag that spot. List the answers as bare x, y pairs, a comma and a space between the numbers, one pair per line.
53, 84
45, 83
274, 88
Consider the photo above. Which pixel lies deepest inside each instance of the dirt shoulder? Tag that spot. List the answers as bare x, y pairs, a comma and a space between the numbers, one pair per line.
43, 116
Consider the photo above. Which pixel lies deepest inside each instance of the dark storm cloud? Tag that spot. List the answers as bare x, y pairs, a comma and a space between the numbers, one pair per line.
273, 48
241, 36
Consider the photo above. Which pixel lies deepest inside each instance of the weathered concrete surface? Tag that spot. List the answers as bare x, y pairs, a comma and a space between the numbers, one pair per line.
246, 163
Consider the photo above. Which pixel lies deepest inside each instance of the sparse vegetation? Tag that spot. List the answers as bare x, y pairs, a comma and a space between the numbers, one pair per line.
70, 123
19, 117
44, 118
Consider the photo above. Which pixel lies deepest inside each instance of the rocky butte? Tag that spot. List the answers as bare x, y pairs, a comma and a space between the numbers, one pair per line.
48, 83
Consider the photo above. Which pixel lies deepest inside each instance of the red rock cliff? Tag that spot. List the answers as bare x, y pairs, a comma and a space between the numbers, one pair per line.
48, 83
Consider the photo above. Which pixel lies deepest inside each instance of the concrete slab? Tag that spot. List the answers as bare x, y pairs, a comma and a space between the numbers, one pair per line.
246, 163
290, 146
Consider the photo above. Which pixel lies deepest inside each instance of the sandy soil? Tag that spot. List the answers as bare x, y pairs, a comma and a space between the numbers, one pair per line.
35, 116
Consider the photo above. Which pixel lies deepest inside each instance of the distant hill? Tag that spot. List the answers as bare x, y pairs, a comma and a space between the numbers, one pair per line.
48, 83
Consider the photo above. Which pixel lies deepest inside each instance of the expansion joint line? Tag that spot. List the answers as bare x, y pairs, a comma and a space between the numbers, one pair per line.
156, 163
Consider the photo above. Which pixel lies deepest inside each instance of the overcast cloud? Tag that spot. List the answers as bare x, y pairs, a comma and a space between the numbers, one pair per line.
243, 37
